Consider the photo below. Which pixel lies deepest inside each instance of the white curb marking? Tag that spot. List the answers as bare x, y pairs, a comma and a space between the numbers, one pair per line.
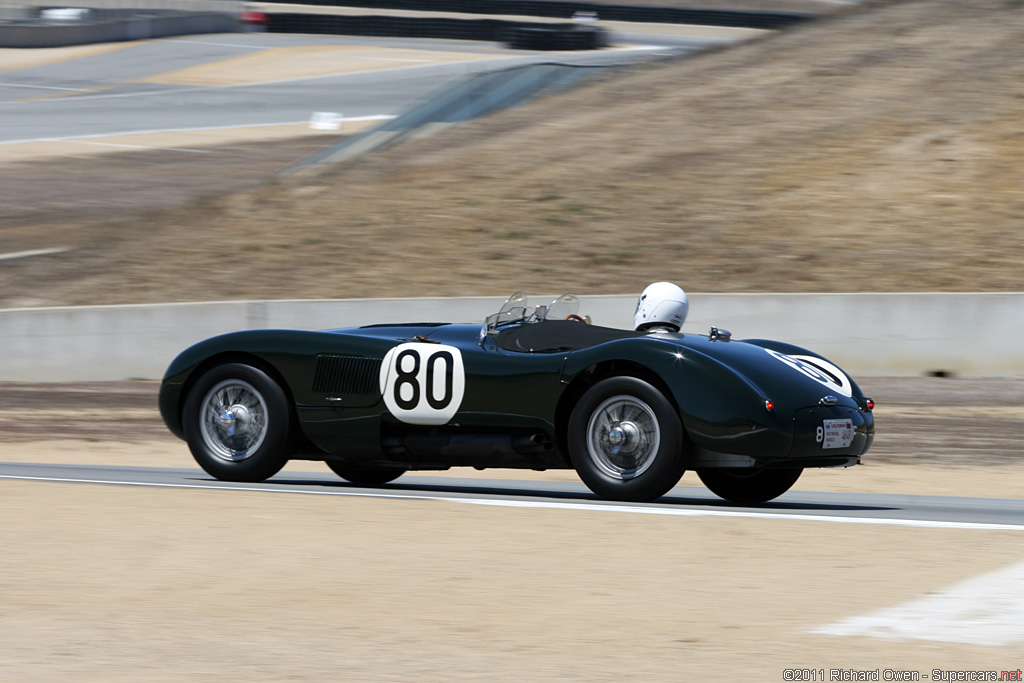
552, 505
18, 255
154, 131
984, 610
40, 87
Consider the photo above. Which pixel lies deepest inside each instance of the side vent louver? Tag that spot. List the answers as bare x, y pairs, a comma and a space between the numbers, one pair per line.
346, 375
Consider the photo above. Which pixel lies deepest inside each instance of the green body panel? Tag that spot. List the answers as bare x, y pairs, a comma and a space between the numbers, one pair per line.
503, 389
720, 388
716, 404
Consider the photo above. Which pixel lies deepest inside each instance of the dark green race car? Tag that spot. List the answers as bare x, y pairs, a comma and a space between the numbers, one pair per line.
530, 388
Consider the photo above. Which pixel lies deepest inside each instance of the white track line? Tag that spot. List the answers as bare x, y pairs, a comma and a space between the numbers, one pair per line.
116, 134
164, 149
40, 87
589, 507
238, 45
982, 610
15, 255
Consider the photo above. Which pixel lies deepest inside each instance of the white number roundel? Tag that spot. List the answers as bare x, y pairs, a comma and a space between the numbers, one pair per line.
423, 384
819, 370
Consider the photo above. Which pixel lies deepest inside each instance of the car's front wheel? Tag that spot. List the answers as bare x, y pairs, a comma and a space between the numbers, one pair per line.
237, 423
626, 440
745, 486
365, 475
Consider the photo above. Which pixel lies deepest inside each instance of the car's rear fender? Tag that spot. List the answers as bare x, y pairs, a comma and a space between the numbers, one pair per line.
793, 350
588, 377
721, 410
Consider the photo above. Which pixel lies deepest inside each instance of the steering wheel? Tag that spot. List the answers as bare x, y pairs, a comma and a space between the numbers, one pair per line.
573, 316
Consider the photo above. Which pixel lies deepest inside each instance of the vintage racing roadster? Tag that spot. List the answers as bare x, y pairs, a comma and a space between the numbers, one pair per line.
531, 388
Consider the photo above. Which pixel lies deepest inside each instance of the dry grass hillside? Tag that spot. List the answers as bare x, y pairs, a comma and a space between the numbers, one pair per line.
878, 149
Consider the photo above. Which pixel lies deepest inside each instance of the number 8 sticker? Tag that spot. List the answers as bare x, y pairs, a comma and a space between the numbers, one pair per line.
423, 384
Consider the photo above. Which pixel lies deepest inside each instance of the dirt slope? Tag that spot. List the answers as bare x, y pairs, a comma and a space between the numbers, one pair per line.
875, 150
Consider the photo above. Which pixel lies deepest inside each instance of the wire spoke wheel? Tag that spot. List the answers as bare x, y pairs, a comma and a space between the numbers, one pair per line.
626, 440
623, 437
234, 420
237, 421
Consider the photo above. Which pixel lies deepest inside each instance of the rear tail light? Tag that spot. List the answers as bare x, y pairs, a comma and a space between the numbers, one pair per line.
769, 405
256, 18
870, 403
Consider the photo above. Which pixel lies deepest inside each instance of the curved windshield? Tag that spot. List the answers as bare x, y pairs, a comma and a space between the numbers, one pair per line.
563, 307
516, 309
515, 302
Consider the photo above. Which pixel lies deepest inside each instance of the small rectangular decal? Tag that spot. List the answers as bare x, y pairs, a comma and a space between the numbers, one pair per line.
837, 433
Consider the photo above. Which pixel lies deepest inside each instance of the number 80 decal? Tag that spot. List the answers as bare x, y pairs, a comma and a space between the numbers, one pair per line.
423, 384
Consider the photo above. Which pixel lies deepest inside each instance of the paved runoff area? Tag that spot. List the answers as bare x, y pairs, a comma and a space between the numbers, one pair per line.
180, 92
100, 97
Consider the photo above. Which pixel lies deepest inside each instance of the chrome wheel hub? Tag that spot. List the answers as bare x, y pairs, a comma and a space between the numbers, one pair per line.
623, 437
233, 420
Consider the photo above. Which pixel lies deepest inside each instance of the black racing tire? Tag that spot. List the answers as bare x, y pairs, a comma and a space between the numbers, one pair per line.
746, 486
365, 475
237, 423
631, 415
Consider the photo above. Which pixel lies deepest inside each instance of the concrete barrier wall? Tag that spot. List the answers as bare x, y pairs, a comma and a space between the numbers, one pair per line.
867, 334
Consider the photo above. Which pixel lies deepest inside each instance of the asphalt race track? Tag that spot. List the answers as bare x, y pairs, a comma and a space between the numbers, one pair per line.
852, 508
133, 88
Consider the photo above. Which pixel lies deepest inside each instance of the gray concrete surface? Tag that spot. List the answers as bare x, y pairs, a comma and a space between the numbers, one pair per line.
119, 92
844, 508
866, 334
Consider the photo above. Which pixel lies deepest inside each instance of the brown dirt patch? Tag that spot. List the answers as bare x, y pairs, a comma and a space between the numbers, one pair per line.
21, 58
108, 583
80, 199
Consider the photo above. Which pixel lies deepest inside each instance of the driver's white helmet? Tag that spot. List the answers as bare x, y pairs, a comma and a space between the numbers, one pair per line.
662, 304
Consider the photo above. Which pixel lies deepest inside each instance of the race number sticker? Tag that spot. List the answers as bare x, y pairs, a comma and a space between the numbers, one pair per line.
835, 433
423, 384
819, 370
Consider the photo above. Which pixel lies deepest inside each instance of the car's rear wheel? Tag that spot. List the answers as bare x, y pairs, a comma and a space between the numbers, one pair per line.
746, 486
626, 440
365, 475
237, 423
